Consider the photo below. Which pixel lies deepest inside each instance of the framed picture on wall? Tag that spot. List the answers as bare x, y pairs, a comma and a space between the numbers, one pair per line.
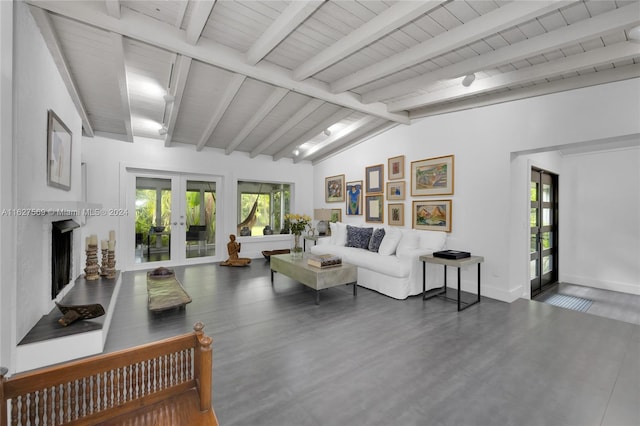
396, 167
374, 208
58, 152
432, 215
374, 178
336, 215
396, 190
396, 214
334, 189
432, 176
354, 198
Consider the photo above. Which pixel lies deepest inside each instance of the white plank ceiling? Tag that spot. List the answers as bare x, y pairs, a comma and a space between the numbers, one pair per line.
303, 80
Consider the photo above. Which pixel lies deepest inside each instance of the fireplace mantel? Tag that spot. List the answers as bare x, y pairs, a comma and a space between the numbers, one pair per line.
66, 208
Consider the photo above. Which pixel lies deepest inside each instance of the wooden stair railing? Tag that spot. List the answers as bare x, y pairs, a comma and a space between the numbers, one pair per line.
104, 387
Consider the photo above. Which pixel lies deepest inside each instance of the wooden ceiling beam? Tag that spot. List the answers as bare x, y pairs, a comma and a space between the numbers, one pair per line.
592, 58
592, 79
117, 41
355, 141
337, 139
177, 86
222, 106
388, 21
113, 8
151, 31
198, 19
46, 28
274, 98
296, 118
495, 21
294, 15
617, 19
334, 118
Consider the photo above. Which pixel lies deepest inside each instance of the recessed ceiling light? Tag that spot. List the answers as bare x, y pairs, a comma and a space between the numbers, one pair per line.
163, 130
634, 34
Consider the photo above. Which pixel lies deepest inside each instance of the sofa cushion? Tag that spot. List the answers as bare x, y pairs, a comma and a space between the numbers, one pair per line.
376, 239
432, 240
358, 237
410, 241
387, 265
338, 233
390, 242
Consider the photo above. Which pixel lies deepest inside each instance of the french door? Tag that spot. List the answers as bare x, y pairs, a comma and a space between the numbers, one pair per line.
544, 230
175, 219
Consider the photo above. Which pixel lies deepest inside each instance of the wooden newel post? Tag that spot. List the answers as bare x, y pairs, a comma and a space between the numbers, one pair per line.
3, 405
203, 366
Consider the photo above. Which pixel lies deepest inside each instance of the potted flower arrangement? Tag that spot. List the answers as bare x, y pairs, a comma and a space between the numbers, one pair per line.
297, 224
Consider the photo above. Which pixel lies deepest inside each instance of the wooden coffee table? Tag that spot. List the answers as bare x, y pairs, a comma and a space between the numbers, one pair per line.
312, 277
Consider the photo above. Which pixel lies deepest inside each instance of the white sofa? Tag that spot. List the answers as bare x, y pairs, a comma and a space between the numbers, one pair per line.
394, 269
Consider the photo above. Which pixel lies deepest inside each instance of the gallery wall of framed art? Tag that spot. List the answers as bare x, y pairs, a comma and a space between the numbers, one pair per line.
428, 177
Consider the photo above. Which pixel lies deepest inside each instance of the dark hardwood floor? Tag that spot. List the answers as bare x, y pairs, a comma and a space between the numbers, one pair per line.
279, 359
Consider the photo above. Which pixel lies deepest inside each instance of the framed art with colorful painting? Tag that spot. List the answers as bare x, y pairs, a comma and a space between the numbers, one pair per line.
396, 167
354, 198
396, 190
432, 176
336, 215
432, 215
334, 189
396, 214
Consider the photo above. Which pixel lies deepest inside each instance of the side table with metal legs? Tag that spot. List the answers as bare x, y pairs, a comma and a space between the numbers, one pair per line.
458, 263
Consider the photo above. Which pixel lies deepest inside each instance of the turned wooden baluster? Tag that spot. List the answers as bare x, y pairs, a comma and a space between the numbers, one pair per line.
204, 366
139, 380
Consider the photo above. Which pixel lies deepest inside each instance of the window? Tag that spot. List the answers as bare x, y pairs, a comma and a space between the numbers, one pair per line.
262, 204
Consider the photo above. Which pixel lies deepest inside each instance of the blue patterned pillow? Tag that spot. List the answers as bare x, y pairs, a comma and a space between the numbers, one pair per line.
358, 237
376, 239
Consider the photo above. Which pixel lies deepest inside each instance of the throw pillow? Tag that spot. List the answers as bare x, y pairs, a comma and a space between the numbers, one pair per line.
338, 233
376, 239
333, 228
409, 242
358, 237
390, 242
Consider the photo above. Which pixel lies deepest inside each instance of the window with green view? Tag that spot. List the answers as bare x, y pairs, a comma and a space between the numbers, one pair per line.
262, 204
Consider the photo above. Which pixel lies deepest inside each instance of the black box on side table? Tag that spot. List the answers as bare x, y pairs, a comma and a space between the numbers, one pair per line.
451, 254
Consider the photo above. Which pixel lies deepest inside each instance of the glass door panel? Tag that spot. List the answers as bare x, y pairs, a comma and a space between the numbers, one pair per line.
544, 224
200, 213
153, 205
175, 218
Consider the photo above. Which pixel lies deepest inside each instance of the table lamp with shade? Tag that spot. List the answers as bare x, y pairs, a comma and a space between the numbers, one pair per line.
323, 216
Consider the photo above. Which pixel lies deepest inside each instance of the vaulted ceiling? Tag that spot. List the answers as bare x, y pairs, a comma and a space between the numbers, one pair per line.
306, 79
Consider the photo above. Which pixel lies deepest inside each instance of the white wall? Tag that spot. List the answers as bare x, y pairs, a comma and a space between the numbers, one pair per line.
108, 159
38, 87
484, 218
7, 191
600, 220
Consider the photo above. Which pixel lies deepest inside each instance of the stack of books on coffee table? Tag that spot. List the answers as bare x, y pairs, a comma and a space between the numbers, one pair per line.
324, 260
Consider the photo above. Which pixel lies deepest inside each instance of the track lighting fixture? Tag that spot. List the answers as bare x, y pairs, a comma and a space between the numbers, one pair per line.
468, 79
